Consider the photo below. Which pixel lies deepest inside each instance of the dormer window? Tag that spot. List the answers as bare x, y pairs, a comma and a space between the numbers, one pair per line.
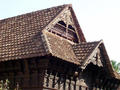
65, 31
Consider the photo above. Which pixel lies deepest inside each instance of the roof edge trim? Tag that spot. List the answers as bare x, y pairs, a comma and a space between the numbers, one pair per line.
83, 66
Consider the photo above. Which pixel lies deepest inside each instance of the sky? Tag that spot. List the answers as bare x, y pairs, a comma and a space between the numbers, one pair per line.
99, 19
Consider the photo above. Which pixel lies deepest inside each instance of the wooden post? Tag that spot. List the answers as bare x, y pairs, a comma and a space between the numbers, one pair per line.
26, 74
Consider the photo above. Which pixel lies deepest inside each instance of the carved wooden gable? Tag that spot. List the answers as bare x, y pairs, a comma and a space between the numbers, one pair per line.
96, 54
96, 58
88, 53
63, 25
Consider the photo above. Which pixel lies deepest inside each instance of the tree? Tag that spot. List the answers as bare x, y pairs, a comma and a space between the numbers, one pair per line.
116, 66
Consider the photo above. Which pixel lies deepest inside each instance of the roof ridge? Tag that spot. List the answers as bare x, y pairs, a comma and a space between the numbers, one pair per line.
23, 30
33, 12
90, 42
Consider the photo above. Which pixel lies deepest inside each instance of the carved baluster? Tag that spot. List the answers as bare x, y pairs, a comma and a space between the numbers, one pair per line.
69, 87
67, 84
47, 82
64, 84
72, 85
59, 82
77, 84
51, 81
56, 82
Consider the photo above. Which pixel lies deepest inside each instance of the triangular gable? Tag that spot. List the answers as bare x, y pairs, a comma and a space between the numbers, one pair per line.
94, 56
84, 50
68, 16
95, 53
21, 36
90, 53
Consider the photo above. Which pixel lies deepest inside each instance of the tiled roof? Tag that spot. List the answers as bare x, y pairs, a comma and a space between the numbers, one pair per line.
84, 49
67, 50
61, 48
20, 36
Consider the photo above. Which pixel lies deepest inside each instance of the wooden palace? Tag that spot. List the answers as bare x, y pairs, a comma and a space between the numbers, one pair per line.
46, 50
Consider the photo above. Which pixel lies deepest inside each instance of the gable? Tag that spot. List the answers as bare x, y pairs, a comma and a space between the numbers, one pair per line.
22, 36
95, 53
94, 57
64, 25
85, 52
91, 52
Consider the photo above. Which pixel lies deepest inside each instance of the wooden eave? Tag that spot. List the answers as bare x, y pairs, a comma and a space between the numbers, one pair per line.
100, 45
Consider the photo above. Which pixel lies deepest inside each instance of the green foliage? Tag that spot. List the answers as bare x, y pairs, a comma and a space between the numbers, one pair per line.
4, 85
116, 66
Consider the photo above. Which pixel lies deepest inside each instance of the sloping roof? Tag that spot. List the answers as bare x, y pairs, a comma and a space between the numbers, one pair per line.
20, 36
80, 33
84, 49
61, 48
108, 63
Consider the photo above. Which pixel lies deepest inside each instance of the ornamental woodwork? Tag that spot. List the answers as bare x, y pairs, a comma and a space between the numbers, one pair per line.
51, 75
64, 31
46, 50
96, 59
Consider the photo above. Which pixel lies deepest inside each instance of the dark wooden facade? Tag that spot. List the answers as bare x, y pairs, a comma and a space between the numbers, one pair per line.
55, 74
46, 50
